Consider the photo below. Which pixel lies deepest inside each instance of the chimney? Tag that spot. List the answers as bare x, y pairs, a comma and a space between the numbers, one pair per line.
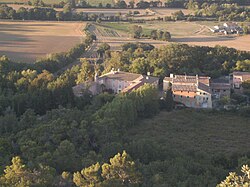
148, 73
96, 77
118, 69
171, 75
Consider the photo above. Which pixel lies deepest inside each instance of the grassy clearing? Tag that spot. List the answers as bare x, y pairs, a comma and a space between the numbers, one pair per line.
175, 28
197, 131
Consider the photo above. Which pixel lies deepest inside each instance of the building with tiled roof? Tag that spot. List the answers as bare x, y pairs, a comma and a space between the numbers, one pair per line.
237, 78
115, 81
192, 91
221, 87
120, 81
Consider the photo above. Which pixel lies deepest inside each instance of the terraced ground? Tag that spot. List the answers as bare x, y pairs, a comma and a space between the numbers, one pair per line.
26, 41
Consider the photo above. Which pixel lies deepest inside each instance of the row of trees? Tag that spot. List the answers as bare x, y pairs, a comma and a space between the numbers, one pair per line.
121, 171
38, 13
227, 12
206, 12
212, 12
179, 59
160, 35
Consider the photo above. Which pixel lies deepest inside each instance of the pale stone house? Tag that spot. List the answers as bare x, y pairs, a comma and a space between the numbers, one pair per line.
192, 91
116, 81
120, 81
237, 78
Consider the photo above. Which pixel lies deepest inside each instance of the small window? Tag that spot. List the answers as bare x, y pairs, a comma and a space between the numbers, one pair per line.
224, 90
187, 96
194, 97
181, 96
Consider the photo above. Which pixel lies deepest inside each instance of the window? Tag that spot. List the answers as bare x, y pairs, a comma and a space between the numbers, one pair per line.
187, 96
224, 90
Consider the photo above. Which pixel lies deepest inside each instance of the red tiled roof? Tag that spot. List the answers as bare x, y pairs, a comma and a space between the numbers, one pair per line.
121, 75
190, 88
221, 86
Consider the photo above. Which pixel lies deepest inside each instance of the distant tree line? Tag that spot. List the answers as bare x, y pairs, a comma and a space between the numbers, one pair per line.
224, 12
38, 13
209, 12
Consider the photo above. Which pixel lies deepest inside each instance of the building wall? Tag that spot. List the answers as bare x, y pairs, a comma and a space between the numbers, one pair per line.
116, 85
187, 98
198, 99
204, 99
220, 93
165, 85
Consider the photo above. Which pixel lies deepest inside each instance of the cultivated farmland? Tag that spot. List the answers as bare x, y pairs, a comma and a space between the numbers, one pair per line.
27, 41
198, 130
115, 37
192, 33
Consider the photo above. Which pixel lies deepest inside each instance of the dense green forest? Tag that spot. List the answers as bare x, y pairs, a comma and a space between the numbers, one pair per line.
49, 137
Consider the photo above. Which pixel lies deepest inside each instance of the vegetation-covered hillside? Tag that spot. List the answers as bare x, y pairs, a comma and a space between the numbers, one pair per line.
189, 148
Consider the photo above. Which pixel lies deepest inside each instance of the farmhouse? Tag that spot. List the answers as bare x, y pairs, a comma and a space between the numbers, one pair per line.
228, 28
192, 91
237, 78
220, 88
117, 82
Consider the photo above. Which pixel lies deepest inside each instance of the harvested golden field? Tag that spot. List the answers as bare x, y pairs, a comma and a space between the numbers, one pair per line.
237, 42
25, 41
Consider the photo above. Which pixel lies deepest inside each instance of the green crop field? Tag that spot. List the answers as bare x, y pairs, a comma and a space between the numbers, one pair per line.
175, 28
200, 130
189, 147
